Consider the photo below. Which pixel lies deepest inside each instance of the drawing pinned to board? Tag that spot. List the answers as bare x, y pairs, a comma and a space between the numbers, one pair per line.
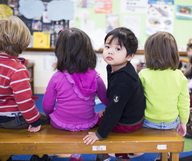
137, 6
184, 12
46, 18
160, 16
31, 9
61, 9
103, 6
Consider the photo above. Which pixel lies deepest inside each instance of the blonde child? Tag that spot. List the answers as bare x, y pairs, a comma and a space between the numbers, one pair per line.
17, 108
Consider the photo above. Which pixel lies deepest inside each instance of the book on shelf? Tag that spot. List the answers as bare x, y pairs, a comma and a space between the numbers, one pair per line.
41, 39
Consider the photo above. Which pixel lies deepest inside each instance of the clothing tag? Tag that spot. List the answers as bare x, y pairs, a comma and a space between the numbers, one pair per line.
99, 148
161, 147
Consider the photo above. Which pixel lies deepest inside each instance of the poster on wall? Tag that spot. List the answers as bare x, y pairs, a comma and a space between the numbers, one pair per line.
103, 6
138, 6
184, 12
160, 16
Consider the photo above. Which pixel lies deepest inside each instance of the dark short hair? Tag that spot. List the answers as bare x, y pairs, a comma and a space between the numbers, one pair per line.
189, 46
125, 37
161, 51
74, 51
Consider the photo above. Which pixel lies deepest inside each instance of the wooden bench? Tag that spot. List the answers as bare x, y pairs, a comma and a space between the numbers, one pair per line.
53, 141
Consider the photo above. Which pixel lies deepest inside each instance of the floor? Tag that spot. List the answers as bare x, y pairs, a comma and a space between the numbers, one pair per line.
92, 157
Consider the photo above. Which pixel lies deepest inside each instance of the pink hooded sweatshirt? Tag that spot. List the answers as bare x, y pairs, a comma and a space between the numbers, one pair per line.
69, 100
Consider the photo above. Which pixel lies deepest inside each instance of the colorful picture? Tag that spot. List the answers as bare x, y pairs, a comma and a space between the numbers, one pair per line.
159, 17
183, 12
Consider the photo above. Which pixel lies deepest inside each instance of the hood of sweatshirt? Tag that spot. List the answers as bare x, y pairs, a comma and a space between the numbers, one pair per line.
84, 84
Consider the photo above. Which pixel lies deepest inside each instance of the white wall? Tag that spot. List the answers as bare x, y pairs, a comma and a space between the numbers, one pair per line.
43, 68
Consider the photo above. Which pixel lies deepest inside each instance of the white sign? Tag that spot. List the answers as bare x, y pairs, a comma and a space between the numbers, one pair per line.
99, 148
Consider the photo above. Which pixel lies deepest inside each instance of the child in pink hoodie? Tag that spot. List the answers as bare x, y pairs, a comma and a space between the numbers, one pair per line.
70, 96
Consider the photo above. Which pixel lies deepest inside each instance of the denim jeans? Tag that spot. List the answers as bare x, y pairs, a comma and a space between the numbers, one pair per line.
161, 125
17, 123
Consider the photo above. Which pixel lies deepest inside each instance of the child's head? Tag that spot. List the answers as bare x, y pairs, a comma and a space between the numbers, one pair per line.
189, 48
14, 36
125, 37
74, 51
120, 45
161, 51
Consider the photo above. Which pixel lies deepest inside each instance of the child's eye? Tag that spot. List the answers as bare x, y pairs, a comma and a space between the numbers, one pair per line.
107, 46
118, 49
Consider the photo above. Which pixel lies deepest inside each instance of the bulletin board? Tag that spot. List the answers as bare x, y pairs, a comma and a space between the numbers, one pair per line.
45, 18
143, 17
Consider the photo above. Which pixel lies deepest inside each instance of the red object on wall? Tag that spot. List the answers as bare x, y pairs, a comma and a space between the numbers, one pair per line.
103, 6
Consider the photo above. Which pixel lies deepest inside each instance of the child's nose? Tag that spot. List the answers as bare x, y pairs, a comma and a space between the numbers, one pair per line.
110, 51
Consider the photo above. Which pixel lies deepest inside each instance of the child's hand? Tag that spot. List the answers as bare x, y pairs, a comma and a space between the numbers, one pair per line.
34, 129
90, 138
181, 129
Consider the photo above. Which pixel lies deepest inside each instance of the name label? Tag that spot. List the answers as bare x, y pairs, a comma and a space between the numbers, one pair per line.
99, 148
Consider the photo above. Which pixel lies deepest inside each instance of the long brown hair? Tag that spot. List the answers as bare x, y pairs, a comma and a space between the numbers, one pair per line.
74, 51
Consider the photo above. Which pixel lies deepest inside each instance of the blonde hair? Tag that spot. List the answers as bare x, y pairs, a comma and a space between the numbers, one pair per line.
14, 36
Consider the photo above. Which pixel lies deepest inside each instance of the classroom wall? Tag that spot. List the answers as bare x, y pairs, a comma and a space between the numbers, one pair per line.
97, 17
95, 26
137, 18
43, 69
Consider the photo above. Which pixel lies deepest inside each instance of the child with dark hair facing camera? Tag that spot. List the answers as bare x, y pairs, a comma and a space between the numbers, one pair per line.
125, 110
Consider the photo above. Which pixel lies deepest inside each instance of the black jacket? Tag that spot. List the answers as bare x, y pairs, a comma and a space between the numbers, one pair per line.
126, 100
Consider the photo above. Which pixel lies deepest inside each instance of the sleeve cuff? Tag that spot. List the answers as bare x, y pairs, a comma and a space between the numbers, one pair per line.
36, 123
99, 136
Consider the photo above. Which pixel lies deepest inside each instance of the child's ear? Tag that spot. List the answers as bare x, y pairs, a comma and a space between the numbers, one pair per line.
129, 57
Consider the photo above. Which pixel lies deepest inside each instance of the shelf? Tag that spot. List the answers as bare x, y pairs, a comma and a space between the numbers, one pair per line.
40, 49
98, 51
141, 52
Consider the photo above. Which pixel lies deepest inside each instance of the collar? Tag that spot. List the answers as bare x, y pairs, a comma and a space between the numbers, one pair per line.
128, 69
7, 56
